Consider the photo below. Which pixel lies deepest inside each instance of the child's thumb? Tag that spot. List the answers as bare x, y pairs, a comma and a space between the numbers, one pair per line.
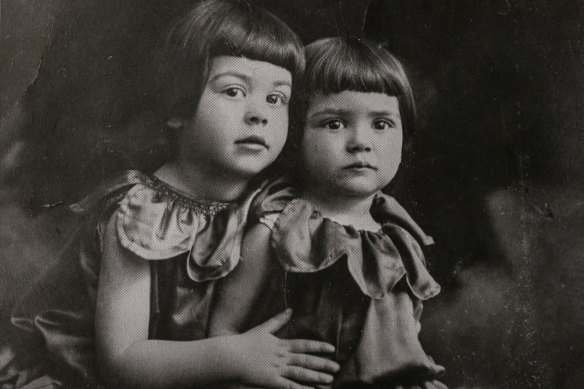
274, 324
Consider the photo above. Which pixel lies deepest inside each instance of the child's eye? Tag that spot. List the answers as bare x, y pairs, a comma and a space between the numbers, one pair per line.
334, 124
383, 124
277, 99
234, 92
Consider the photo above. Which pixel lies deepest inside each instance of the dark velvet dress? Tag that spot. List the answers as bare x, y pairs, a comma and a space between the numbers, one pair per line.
189, 243
361, 291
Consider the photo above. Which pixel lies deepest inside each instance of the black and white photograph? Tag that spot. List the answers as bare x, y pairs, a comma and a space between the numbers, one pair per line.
292, 194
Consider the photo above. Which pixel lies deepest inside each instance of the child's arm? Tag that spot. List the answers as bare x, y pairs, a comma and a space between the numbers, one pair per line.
128, 358
240, 289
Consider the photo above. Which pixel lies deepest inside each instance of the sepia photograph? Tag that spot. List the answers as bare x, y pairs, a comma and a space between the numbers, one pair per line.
291, 194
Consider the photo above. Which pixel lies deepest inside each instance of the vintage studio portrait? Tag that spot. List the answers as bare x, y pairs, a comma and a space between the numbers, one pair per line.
292, 194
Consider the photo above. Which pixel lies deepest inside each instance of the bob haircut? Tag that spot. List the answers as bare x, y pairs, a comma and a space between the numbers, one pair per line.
222, 27
334, 65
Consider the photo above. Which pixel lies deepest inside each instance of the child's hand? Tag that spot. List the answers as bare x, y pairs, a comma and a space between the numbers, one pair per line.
261, 359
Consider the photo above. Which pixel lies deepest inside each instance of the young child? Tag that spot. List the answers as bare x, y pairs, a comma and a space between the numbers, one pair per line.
160, 242
350, 257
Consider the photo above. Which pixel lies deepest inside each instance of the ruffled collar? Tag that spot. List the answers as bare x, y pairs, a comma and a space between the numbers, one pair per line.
157, 222
305, 241
201, 206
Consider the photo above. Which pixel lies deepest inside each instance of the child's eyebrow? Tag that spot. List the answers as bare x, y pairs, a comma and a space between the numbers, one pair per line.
283, 83
244, 77
247, 78
384, 113
330, 111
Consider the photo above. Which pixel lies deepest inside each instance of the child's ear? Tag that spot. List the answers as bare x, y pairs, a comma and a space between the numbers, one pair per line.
175, 123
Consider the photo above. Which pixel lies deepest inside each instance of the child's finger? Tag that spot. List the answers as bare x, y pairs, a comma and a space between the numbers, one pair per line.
274, 324
306, 375
314, 362
288, 384
303, 346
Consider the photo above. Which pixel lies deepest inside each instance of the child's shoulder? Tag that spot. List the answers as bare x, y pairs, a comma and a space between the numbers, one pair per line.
390, 214
274, 196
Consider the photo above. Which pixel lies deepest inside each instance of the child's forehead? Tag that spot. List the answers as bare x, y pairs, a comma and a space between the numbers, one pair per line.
245, 68
353, 102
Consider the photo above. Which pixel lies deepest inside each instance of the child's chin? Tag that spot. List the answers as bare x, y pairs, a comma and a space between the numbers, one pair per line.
358, 189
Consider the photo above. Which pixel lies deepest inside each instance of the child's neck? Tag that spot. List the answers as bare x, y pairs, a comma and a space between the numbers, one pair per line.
345, 210
201, 184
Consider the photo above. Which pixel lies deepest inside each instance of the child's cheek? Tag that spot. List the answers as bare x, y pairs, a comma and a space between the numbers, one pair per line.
315, 145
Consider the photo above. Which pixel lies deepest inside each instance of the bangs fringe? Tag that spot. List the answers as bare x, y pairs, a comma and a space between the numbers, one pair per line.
258, 38
355, 67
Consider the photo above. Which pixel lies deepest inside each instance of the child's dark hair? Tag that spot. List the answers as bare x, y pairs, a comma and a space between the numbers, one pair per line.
334, 65
338, 64
222, 27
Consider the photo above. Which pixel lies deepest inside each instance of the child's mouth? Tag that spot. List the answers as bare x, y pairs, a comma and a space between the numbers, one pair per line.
359, 166
254, 141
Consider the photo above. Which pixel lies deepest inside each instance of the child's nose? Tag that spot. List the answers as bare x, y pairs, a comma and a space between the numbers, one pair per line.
359, 140
254, 115
255, 119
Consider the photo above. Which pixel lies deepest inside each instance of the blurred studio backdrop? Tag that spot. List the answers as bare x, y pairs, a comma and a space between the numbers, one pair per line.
496, 176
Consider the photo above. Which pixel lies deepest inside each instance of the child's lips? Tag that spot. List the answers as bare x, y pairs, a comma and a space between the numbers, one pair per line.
253, 142
359, 166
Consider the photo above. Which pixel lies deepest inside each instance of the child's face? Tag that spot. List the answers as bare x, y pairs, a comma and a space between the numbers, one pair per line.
241, 123
352, 142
